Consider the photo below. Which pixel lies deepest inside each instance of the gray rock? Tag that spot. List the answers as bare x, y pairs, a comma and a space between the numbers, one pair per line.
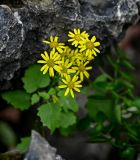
40, 149
23, 29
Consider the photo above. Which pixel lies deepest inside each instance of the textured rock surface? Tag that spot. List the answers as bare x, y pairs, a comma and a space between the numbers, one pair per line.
40, 149
22, 29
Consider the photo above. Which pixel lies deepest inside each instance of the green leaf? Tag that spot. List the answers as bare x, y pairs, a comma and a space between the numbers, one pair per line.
7, 135
136, 103
98, 104
34, 79
118, 113
35, 99
67, 102
52, 91
84, 123
127, 64
68, 131
44, 95
67, 119
18, 99
101, 78
24, 144
50, 115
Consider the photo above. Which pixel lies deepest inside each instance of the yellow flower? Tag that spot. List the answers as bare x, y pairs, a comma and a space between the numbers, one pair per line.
81, 56
71, 84
50, 62
54, 45
82, 69
65, 52
77, 36
89, 46
65, 67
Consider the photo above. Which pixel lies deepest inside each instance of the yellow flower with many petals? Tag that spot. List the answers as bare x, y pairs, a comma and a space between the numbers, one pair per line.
89, 46
77, 36
82, 69
54, 45
71, 84
50, 62
65, 52
65, 67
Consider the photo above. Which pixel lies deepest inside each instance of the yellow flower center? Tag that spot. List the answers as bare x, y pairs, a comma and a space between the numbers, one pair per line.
90, 45
53, 44
81, 68
70, 85
50, 63
64, 69
77, 37
63, 54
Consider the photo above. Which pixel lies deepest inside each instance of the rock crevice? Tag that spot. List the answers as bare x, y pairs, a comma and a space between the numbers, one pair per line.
22, 29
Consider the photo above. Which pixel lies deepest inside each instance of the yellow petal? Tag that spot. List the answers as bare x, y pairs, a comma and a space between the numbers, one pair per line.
62, 86
93, 39
97, 50
55, 39
86, 63
70, 33
51, 38
97, 44
45, 67
82, 49
78, 85
44, 57
57, 68
94, 53
70, 40
76, 89
64, 81
74, 78
78, 31
71, 92
41, 61
75, 31
88, 68
46, 54
67, 91
68, 78
86, 74
59, 49
51, 72
47, 42
73, 43
81, 76
45, 70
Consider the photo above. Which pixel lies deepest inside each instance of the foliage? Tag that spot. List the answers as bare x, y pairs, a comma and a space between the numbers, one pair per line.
70, 62
112, 109
19, 99
23, 145
7, 135
54, 109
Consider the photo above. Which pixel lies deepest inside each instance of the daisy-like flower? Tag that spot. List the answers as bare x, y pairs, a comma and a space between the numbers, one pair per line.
82, 69
50, 62
77, 36
81, 56
65, 52
89, 46
54, 45
65, 67
71, 84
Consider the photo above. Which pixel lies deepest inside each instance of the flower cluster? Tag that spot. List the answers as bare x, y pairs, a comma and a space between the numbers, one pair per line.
72, 65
